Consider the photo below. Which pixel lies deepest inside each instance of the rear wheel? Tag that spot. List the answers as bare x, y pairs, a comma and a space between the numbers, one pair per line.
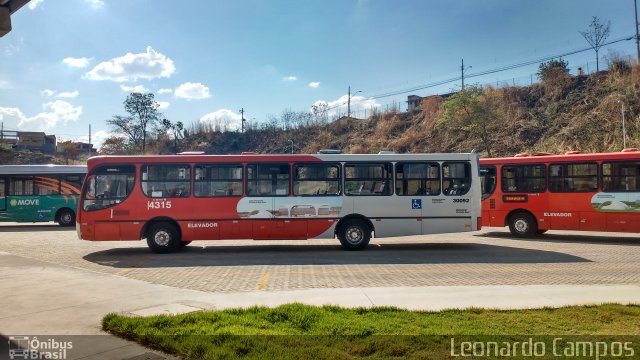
523, 225
163, 238
66, 217
354, 234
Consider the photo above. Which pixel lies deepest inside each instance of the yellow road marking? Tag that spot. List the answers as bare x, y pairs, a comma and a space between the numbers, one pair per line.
263, 281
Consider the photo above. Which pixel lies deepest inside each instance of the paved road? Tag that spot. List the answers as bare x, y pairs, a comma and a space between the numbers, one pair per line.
491, 257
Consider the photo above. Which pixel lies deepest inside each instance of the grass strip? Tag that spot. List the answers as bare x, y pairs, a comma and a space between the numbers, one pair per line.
297, 331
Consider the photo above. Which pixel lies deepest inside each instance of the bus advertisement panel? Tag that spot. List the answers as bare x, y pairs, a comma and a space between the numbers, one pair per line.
535, 193
173, 200
38, 193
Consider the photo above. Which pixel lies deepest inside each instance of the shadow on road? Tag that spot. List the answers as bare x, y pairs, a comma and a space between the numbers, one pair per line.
570, 238
440, 253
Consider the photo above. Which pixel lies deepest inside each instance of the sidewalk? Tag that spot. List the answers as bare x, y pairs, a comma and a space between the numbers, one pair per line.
40, 298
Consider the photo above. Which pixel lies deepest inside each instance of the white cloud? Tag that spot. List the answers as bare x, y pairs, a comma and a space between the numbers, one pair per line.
131, 67
314, 84
54, 113
77, 62
68, 94
96, 4
134, 89
5, 85
222, 119
289, 78
359, 105
163, 105
33, 4
165, 91
47, 92
192, 91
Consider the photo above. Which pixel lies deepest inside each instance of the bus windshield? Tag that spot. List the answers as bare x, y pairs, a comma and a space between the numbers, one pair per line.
107, 187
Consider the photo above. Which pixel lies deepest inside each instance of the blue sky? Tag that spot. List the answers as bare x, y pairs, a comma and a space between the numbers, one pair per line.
70, 63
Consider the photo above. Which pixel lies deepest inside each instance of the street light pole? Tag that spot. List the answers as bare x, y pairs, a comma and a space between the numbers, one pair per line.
349, 101
291, 145
624, 131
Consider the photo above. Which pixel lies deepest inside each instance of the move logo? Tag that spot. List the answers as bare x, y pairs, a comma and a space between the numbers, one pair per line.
24, 202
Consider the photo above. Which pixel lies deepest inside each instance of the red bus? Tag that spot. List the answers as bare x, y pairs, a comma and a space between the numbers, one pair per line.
533, 193
175, 199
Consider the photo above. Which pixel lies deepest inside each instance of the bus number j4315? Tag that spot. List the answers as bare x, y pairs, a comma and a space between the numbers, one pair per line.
161, 204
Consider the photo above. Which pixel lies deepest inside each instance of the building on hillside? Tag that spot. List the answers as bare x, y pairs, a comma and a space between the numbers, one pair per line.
413, 101
38, 141
29, 140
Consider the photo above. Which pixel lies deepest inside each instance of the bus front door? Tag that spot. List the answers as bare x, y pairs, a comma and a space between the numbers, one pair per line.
3, 197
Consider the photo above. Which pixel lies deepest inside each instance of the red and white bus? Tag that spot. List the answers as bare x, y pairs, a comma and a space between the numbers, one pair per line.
533, 193
173, 200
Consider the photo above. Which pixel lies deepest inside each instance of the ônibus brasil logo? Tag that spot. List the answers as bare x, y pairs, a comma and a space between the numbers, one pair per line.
25, 347
24, 202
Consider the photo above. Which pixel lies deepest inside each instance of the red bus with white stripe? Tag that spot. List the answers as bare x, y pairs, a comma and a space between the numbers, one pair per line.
175, 199
533, 193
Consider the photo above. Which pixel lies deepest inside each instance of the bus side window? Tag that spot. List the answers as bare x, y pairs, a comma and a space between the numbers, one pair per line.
456, 178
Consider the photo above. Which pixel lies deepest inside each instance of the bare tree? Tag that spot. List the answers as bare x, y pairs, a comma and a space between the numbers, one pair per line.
596, 36
127, 126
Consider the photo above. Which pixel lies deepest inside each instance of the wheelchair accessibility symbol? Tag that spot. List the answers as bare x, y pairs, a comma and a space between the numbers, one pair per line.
416, 203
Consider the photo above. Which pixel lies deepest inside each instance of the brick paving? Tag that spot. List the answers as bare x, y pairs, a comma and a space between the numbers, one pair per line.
490, 257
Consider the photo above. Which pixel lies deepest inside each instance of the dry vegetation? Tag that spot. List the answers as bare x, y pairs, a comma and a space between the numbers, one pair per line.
562, 113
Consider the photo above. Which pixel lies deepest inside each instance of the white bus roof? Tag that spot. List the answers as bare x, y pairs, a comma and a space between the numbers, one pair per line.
42, 169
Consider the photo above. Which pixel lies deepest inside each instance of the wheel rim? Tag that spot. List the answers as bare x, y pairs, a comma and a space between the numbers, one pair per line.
521, 225
162, 238
66, 218
354, 235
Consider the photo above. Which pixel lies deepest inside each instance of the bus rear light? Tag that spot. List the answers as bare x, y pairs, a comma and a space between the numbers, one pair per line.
479, 223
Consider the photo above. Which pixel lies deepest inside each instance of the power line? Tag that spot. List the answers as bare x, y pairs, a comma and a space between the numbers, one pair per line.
482, 73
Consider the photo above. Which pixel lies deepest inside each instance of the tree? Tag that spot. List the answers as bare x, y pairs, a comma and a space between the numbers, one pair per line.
127, 126
177, 130
115, 145
320, 111
472, 112
596, 35
143, 113
552, 68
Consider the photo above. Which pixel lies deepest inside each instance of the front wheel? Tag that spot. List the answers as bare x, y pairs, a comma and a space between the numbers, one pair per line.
354, 234
66, 217
523, 225
163, 238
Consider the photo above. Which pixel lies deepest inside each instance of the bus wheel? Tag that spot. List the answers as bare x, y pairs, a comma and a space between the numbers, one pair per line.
66, 217
354, 234
523, 225
163, 238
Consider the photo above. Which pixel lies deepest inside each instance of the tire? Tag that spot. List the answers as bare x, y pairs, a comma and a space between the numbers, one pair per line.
523, 225
162, 238
354, 234
66, 217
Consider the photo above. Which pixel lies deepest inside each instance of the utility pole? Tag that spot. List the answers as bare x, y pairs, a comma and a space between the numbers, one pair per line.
90, 146
635, 12
462, 69
242, 119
